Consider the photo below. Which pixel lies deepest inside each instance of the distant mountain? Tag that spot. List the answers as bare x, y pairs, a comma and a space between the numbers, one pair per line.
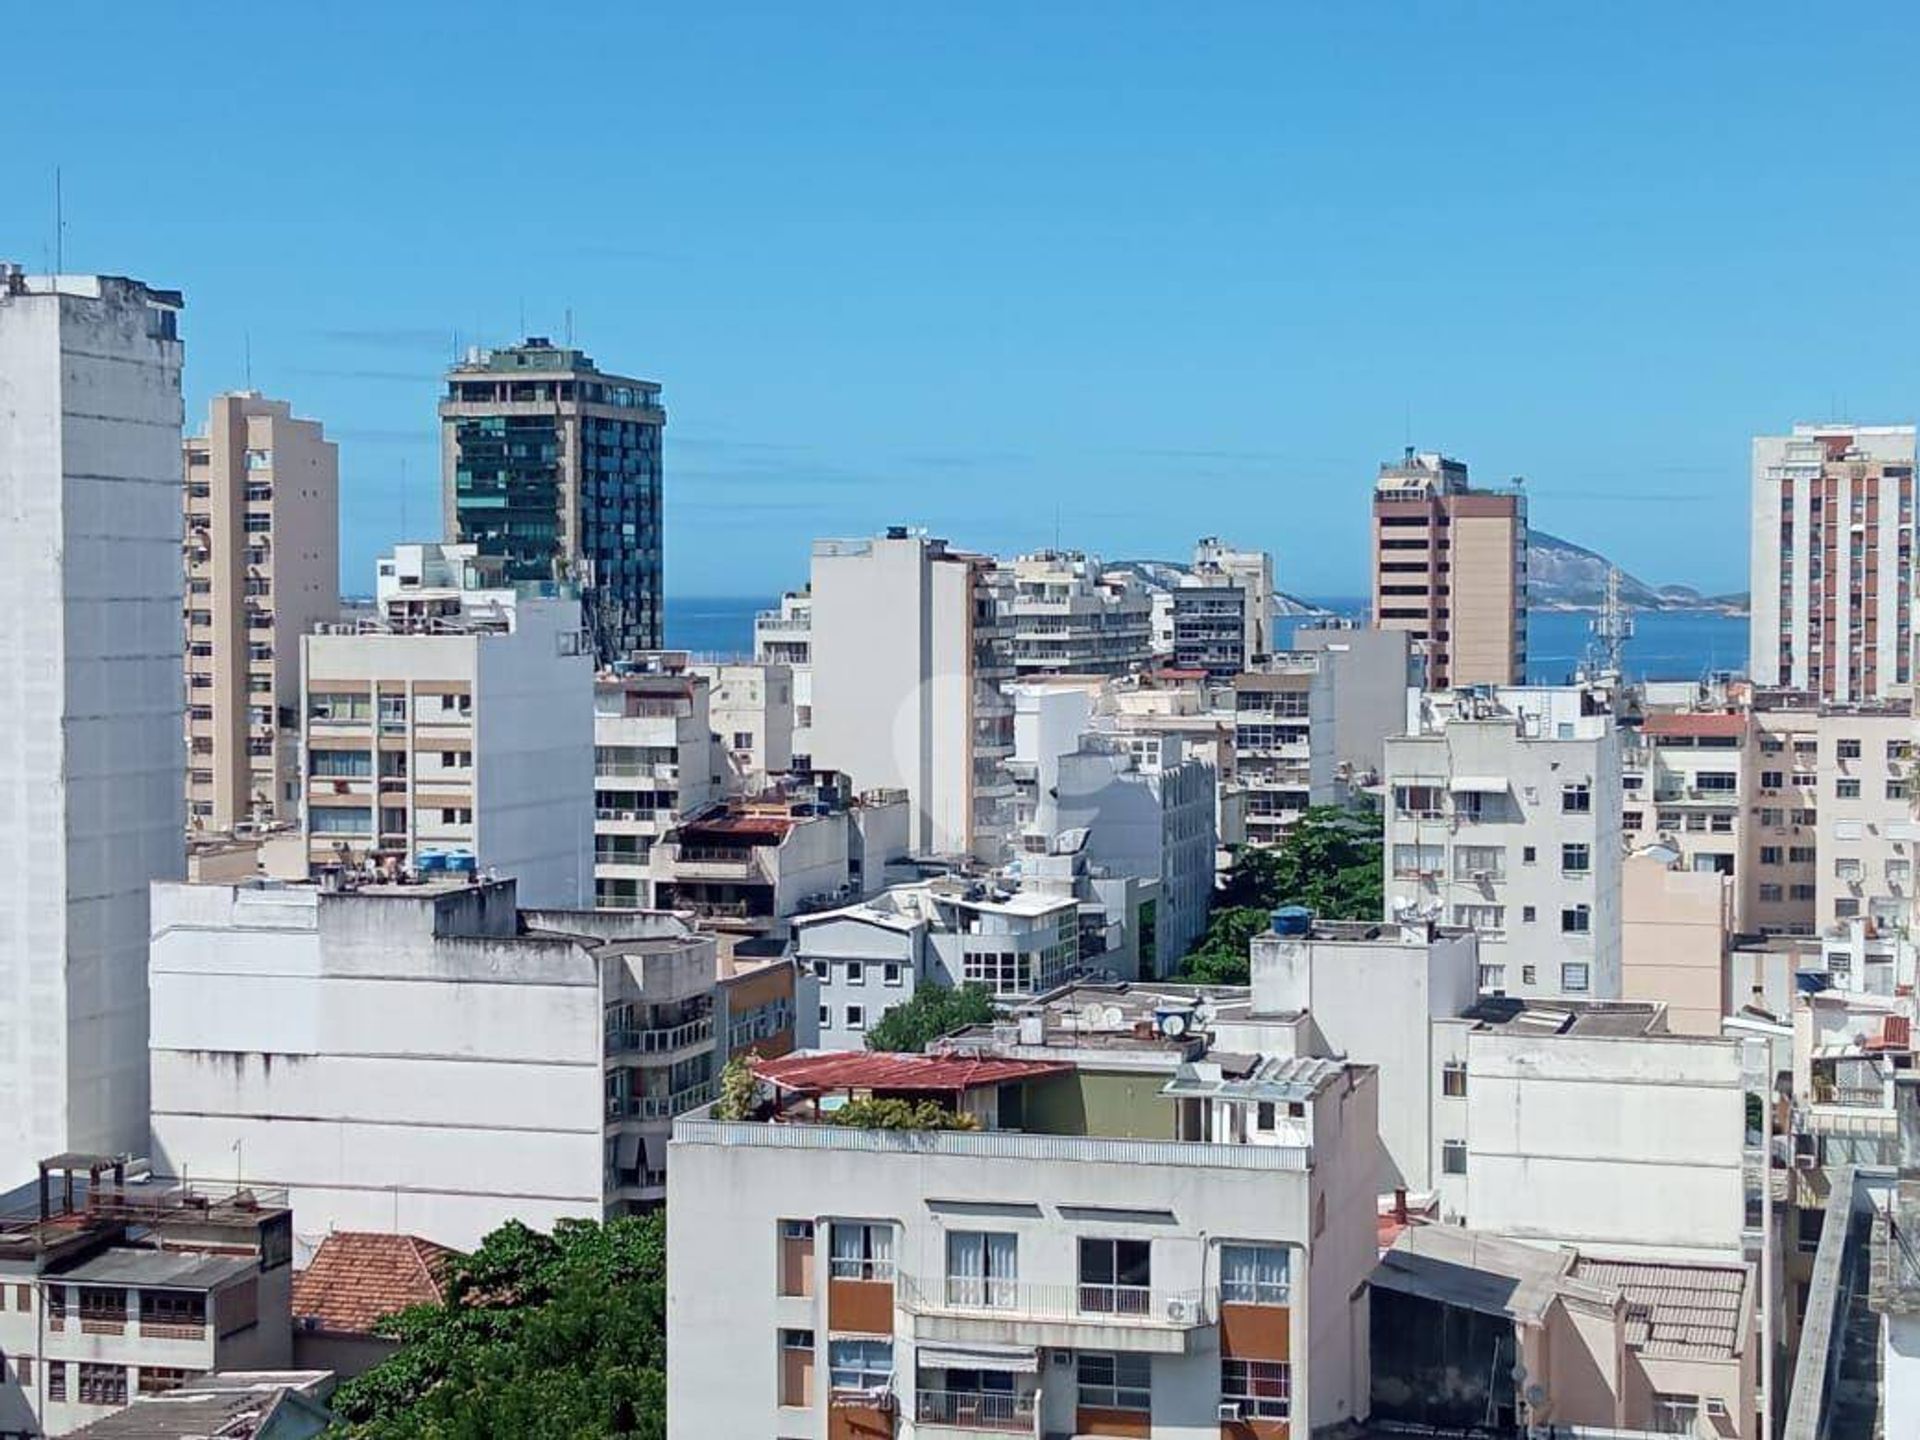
1564, 576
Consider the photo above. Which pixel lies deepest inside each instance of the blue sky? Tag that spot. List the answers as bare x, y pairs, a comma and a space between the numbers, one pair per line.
1147, 272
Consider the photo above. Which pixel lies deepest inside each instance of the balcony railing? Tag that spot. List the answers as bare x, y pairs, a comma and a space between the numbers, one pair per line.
1092, 1304
659, 1107
972, 1410
660, 1038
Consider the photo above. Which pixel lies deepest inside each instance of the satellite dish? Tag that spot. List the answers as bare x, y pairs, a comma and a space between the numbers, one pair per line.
1536, 1395
1173, 1026
1112, 1017
1091, 1016
1519, 1373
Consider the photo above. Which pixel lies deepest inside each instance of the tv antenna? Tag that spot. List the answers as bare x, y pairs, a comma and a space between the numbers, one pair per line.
59, 224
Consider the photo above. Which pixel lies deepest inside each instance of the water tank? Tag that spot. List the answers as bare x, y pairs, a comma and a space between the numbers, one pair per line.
1293, 920
461, 862
428, 861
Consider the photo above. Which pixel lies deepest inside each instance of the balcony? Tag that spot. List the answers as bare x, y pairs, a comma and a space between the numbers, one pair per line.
660, 1039
659, 1107
694, 862
975, 1412
1124, 1317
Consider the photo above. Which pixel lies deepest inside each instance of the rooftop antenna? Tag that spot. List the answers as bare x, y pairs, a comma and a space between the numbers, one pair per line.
404, 532
1612, 628
569, 327
523, 317
246, 340
59, 224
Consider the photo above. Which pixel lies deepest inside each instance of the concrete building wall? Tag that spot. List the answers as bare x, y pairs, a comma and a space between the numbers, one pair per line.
1866, 833
1371, 671
751, 709
388, 1079
91, 727
1675, 933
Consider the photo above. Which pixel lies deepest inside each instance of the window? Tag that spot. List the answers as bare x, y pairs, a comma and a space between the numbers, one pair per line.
1493, 978
1632, 819
341, 764
103, 1384
457, 815
891, 973
860, 1364
1526, 854
1453, 1078
743, 739
1801, 854
1254, 1274
1488, 919
1806, 817
1421, 802
1800, 892
1770, 893
861, 1252
1675, 1414
1528, 914
1115, 1382
1576, 799
1716, 782
1769, 854
1480, 862
1453, 1157
158, 1379
1772, 779
1263, 1389
163, 1307
826, 1017
1847, 749
1896, 789
103, 1304
983, 1268
1529, 975
1418, 859
1115, 1276
1573, 978
332, 706
856, 1017
57, 1380
1772, 815
856, 972
1575, 859
1846, 789
1576, 920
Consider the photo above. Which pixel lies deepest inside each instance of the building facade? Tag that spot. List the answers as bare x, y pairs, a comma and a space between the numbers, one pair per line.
1450, 569
751, 709
1832, 551
94, 685
263, 568
554, 466
785, 637
461, 736
1252, 571
1064, 616
654, 761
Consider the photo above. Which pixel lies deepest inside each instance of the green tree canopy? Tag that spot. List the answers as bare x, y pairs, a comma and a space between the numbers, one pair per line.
548, 1337
874, 1112
933, 1011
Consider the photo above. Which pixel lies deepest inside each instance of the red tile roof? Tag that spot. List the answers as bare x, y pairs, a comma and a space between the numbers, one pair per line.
1689, 722
862, 1070
357, 1277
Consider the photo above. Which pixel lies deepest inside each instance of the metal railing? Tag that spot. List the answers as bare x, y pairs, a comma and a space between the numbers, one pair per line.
660, 1038
1094, 1304
974, 1410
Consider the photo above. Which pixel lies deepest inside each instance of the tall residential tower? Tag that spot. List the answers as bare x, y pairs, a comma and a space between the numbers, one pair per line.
263, 567
1450, 569
1832, 578
91, 810
554, 465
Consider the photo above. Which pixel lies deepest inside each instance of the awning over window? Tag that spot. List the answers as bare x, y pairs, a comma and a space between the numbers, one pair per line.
1478, 784
1007, 1358
628, 1155
656, 1152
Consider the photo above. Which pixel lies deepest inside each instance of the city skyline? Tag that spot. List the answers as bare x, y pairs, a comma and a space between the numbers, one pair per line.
927, 263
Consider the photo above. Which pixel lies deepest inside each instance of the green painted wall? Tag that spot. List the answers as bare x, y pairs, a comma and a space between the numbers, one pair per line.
1089, 1102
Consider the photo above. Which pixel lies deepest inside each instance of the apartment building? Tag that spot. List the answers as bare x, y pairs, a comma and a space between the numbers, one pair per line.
1676, 937
91, 726
430, 1058
1867, 830
1688, 780
751, 709
830, 1279
749, 864
1252, 571
553, 466
1450, 569
1784, 853
1148, 811
908, 660
1503, 815
785, 637
1283, 742
1371, 671
655, 760
114, 1289
1064, 615
1832, 576
1212, 619
860, 961
456, 730
262, 568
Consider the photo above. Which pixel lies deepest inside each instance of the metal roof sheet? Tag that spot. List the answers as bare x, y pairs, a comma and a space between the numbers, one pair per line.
862, 1070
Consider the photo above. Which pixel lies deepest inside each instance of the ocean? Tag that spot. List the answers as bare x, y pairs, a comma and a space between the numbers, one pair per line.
1667, 644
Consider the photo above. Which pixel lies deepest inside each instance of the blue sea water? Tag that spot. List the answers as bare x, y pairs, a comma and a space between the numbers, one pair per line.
1667, 645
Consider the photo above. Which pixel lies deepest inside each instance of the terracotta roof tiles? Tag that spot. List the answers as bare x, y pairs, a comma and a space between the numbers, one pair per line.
358, 1277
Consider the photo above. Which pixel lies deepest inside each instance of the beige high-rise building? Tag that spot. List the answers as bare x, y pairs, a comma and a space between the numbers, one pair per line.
1450, 569
263, 566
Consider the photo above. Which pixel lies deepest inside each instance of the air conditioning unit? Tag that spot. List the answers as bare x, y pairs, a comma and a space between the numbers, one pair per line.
1716, 1409
1179, 1311
1229, 1409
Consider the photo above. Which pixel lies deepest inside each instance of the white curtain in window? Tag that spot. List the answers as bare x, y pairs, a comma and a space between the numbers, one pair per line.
849, 1250
1003, 1268
966, 1267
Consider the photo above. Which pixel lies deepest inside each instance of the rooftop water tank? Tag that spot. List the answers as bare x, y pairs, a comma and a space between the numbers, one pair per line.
1293, 920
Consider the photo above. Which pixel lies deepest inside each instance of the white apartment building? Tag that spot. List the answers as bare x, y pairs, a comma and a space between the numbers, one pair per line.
1283, 742
1148, 810
112, 1289
1064, 616
1213, 622
908, 660
426, 1059
1503, 814
91, 727
262, 568
1372, 992
457, 731
831, 1281
1252, 571
860, 961
785, 637
1832, 573
654, 760
1371, 670
751, 707
1867, 833
1784, 854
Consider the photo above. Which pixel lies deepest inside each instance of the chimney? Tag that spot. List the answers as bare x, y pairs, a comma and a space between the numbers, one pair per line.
1400, 1204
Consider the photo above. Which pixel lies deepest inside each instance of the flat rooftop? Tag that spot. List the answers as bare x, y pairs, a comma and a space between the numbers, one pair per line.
160, 1269
1622, 1019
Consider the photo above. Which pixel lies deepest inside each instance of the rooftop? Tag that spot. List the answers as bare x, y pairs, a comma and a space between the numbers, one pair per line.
1620, 1019
222, 1405
358, 1277
1695, 723
1261, 1079
820, 1071
160, 1269
1681, 1312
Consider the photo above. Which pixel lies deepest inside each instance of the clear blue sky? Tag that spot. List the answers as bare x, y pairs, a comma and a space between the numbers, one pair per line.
1157, 270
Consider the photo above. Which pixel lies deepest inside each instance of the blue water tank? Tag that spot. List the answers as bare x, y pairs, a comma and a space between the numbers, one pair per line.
427, 861
1293, 920
462, 862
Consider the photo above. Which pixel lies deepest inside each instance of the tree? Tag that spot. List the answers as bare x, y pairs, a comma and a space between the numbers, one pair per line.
541, 1336
872, 1112
1330, 863
933, 1011
737, 1089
